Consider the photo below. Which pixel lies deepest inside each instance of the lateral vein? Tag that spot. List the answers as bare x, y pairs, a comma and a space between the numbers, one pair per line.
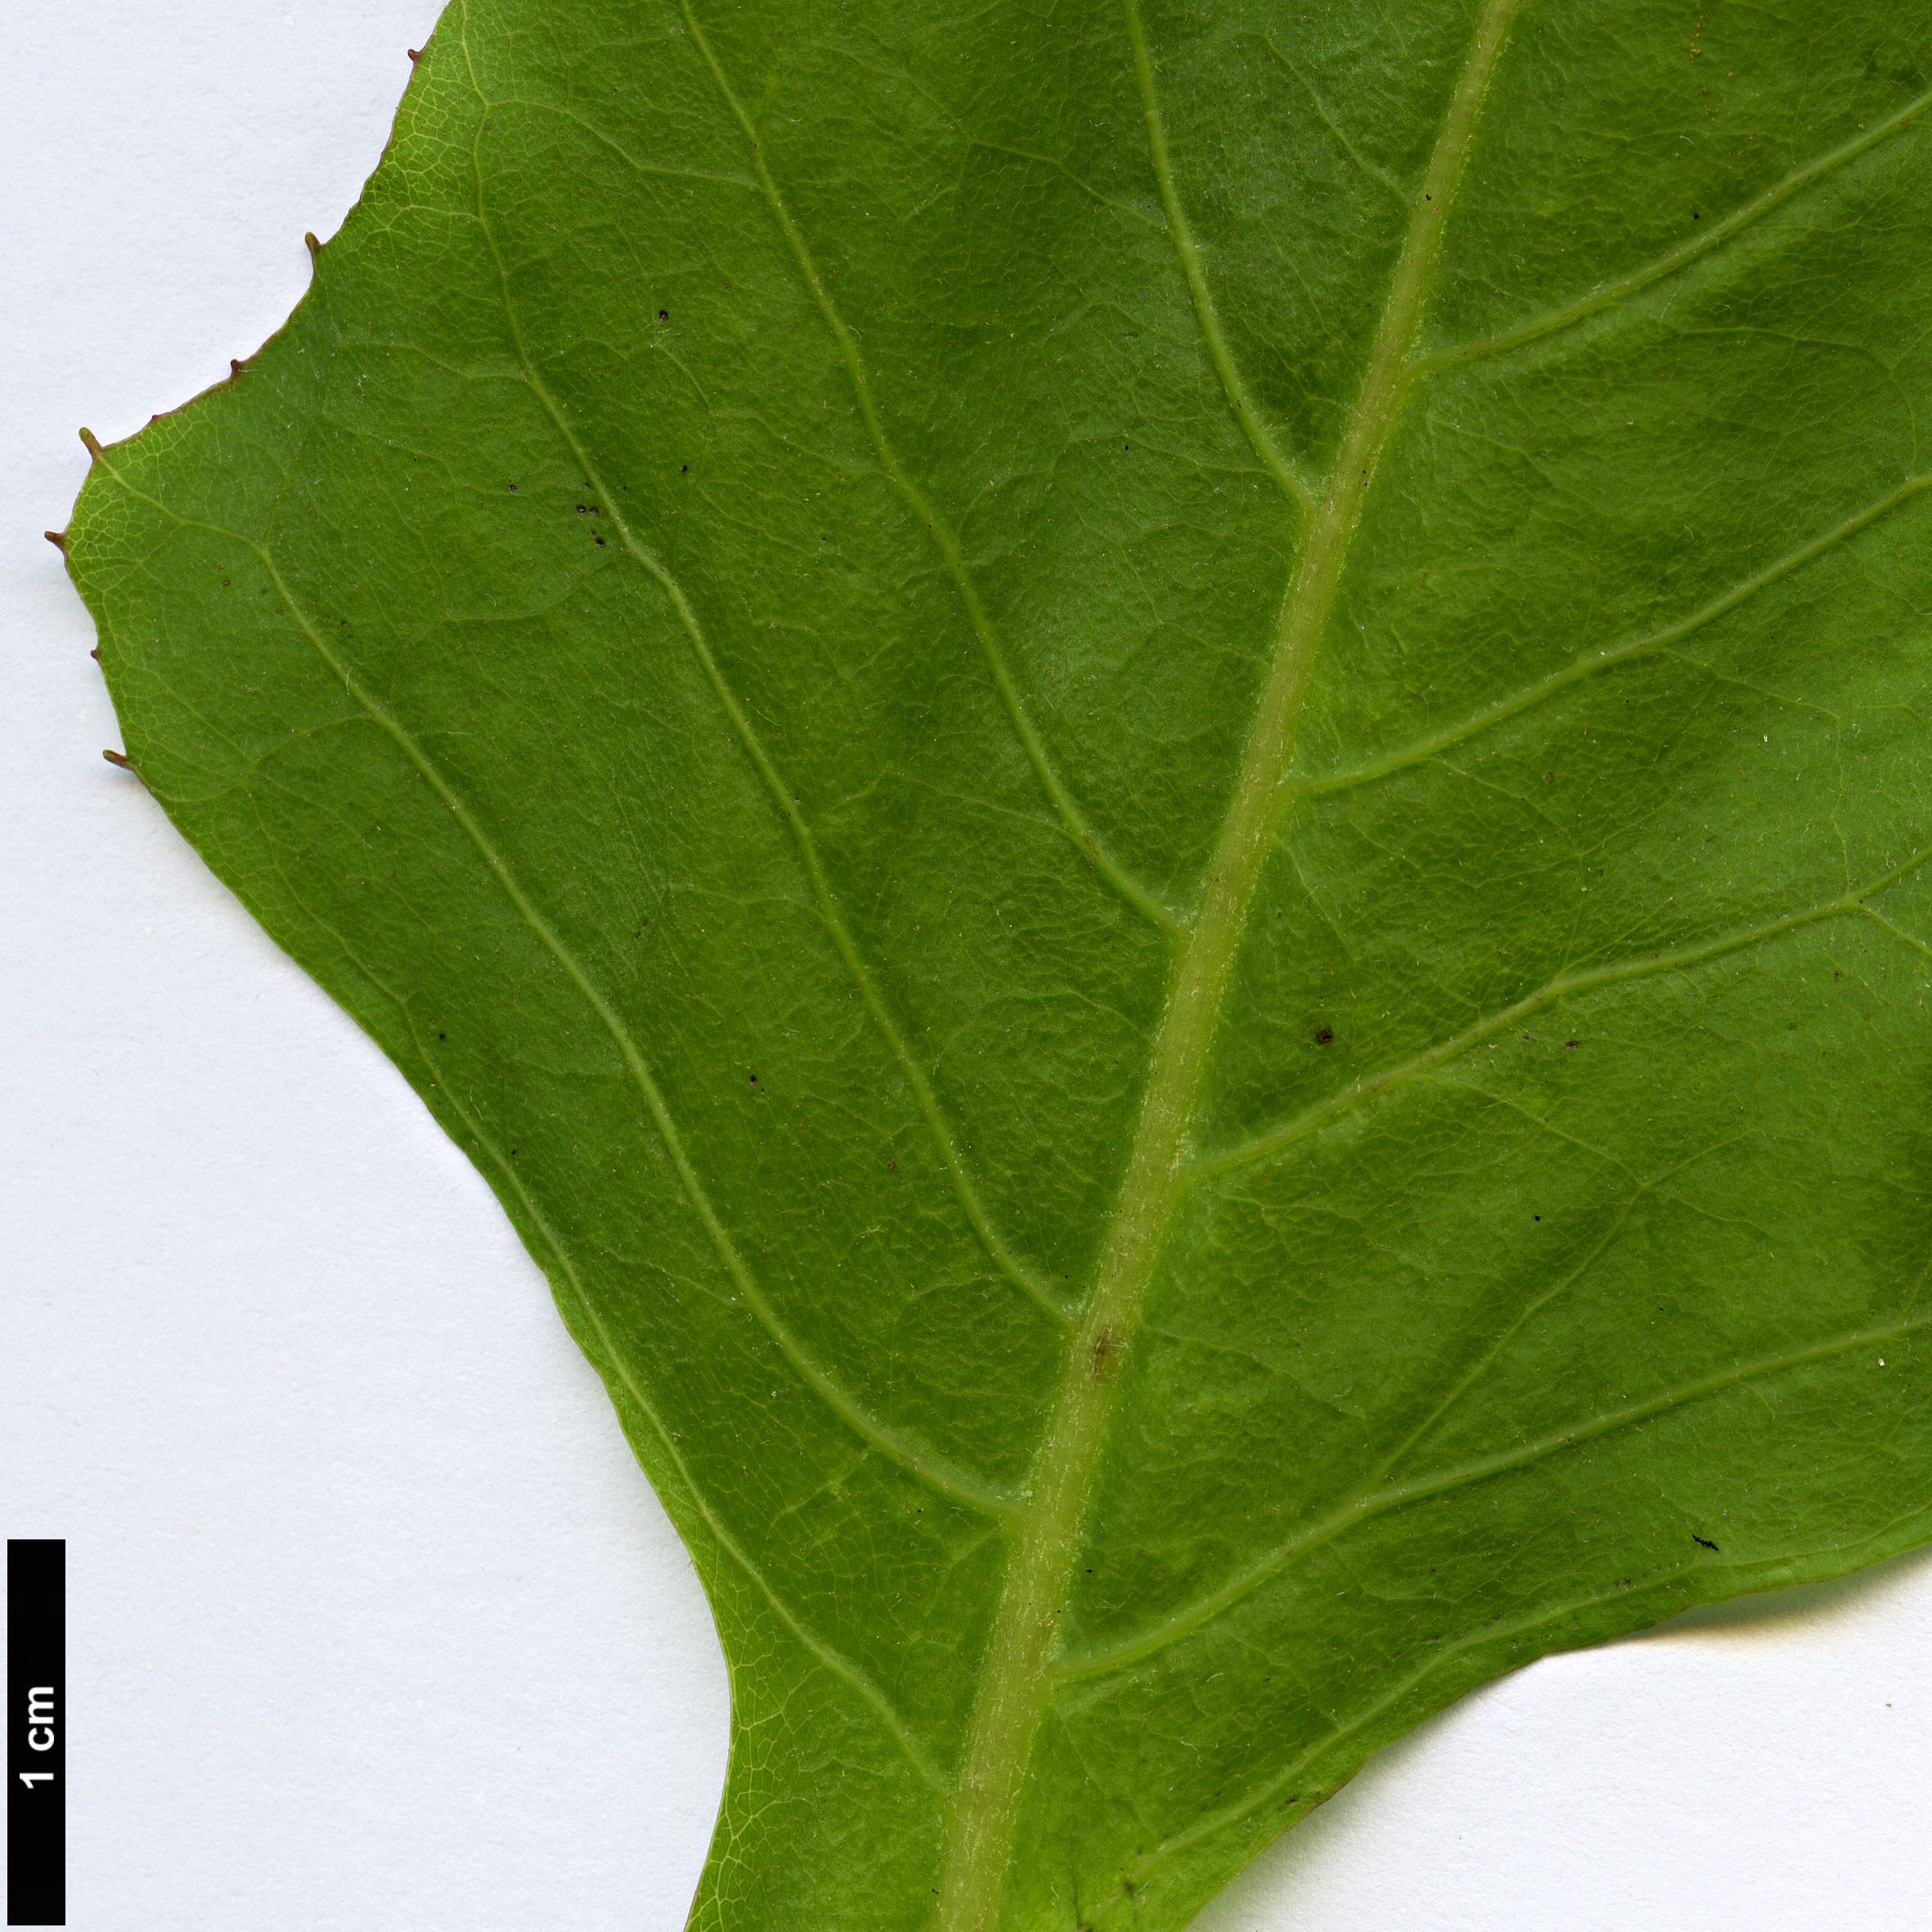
1667, 264
1420, 750
840, 1665
1359, 1093
1318, 1757
833, 1660
936, 1474
1293, 484
1008, 1263
1363, 1508
1078, 829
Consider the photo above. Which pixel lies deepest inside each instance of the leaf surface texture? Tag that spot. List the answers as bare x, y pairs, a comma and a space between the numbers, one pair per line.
1151, 779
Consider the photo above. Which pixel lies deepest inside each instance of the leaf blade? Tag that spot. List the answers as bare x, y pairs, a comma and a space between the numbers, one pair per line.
743, 897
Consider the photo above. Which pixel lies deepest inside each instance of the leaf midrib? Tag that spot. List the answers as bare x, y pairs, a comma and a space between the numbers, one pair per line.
1152, 1190
1015, 1680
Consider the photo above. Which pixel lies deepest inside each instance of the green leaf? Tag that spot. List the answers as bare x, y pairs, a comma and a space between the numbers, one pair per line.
1152, 781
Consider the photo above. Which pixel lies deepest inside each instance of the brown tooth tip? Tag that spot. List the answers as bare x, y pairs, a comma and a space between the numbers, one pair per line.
315, 247
95, 654
57, 538
234, 367
415, 53
126, 764
91, 440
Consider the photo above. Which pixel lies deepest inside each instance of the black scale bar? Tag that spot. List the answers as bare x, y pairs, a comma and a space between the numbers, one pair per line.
36, 1732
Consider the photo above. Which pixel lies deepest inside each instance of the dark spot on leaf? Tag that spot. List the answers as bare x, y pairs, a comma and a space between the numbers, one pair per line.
891, 1167
442, 1036
1107, 1346
600, 543
663, 315
1323, 1034
1705, 1540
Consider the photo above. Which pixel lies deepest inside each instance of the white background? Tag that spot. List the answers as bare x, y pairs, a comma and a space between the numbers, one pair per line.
374, 1622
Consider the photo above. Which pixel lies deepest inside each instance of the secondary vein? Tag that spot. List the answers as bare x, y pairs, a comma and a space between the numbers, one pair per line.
1419, 750
947, 542
1294, 486
961, 1486
448, 1096
1278, 1140
1008, 1263
1669, 263
1364, 1507
840, 1665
